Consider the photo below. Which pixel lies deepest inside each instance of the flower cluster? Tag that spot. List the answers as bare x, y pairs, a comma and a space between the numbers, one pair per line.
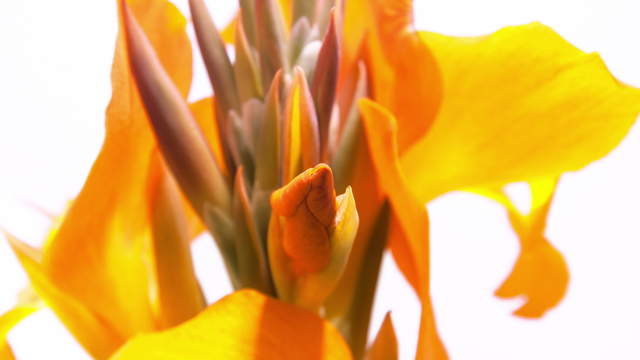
332, 124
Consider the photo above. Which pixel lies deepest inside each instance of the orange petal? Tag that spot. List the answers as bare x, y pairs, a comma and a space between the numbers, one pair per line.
385, 346
411, 215
100, 254
540, 273
521, 103
91, 330
243, 325
177, 296
404, 76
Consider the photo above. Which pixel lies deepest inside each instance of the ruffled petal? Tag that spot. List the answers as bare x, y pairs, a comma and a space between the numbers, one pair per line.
518, 104
540, 273
243, 325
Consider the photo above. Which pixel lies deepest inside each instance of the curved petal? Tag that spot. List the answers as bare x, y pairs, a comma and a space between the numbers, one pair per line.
518, 104
100, 254
243, 325
404, 75
8, 320
540, 273
91, 331
412, 230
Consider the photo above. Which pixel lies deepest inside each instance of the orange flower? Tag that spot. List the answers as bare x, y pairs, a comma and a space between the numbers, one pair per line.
315, 102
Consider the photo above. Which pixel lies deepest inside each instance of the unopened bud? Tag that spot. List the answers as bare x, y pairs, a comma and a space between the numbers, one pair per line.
310, 236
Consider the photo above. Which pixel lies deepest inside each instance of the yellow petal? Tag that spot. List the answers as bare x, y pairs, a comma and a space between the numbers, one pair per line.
385, 346
228, 33
412, 229
540, 273
99, 256
90, 329
8, 320
518, 104
243, 325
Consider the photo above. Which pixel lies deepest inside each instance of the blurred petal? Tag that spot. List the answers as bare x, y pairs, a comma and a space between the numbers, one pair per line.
89, 328
518, 104
243, 325
540, 273
411, 238
99, 257
8, 320
385, 346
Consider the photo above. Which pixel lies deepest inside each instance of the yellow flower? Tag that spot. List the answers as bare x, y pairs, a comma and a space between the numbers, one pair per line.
316, 102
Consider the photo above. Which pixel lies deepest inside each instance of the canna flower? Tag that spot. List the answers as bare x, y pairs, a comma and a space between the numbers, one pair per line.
321, 98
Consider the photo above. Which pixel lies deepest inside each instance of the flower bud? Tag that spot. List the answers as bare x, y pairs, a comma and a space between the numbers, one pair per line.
310, 236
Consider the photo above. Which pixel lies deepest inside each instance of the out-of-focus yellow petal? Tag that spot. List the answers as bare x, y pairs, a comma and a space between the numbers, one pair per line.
7, 321
385, 346
100, 255
228, 34
243, 325
90, 329
540, 273
518, 104
412, 229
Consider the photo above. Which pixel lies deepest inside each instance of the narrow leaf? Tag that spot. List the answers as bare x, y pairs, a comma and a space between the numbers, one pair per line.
219, 70
252, 262
245, 67
323, 87
181, 141
271, 39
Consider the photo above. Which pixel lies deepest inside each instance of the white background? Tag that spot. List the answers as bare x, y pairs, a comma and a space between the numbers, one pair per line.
55, 59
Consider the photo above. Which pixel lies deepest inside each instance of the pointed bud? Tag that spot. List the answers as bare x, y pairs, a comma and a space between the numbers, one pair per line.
219, 70
301, 138
270, 40
267, 156
303, 9
182, 143
324, 83
345, 155
251, 255
308, 58
300, 34
241, 151
246, 67
248, 20
310, 237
